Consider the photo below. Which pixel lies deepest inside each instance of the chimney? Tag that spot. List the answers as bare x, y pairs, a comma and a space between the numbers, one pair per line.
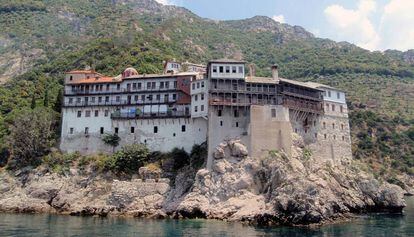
252, 70
275, 72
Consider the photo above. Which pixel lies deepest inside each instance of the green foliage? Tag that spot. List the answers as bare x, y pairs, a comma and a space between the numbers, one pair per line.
31, 135
60, 163
306, 154
111, 139
198, 155
180, 157
129, 159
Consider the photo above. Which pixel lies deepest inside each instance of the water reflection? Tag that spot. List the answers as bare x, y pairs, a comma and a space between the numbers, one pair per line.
52, 225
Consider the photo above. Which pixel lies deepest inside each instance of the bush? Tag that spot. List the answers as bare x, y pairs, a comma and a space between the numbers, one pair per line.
129, 159
198, 155
180, 157
60, 163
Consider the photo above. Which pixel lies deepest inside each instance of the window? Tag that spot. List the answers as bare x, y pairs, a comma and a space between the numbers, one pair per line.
174, 96
324, 136
107, 87
153, 85
202, 96
99, 99
196, 97
148, 85
132, 129
240, 69
173, 134
316, 135
237, 124
118, 86
118, 98
150, 97
134, 86
162, 85
221, 123
338, 95
334, 137
198, 85
175, 84
341, 108
71, 78
273, 113
314, 123
70, 100
136, 97
329, 93
296, 130
86, 130
221, 69
342, 127
102, 130
155, 129
202, 84
78, 100
167, 84
183, 128
106, 98
333, 107
333, 126
327, 107
343, 138
306, 130
116, 130
139, 85
324, 125
202, 107
219, 112
143, 98
214, 69
193, 86
195, 108
158, 97
70, 130
236, 113
106, 113
96, 113
234, 69
79, 114
87, 113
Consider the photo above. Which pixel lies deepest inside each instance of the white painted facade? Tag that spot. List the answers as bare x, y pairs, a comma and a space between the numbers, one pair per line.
199, 98
227, 70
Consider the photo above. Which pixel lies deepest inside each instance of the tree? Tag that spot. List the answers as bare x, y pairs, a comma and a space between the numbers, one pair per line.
58, 103
32, 134
33, 102
130, 158
111, 140
46, 98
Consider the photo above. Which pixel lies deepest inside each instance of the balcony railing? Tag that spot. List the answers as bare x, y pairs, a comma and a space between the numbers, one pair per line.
140, 115
115, 91
241, 102
303, 105
304, 96
116, 103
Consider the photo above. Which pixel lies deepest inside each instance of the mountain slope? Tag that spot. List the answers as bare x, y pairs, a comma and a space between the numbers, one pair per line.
42, 39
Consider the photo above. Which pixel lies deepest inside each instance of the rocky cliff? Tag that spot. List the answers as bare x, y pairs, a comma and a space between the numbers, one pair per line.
275, 190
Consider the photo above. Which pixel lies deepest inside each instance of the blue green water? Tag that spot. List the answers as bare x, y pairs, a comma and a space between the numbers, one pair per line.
375, 225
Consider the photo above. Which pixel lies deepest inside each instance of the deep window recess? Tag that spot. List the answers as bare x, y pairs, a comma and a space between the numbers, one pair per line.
219, 112
338, 95
195, 108
227, 69
79, 114
202, 96
202, 107
132, 129
237, 124
183, 128
102, 130
202, 84
240, 69
70, 130
273, 113
324, 135
234, 69
106, 113
118, 86
71, 78
236, 113
221, 69
155, 129
116, 130
221, 123
87, 113
214, 69
193, 86
96, 113
70, 100
86, 130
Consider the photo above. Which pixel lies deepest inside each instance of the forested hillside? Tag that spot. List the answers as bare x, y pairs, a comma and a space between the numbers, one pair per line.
40, 40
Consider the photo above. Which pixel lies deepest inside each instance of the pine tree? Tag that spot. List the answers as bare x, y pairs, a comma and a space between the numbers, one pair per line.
58, 103
46, 98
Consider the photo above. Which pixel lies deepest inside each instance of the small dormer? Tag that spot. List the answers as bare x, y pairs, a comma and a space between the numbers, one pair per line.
226, 68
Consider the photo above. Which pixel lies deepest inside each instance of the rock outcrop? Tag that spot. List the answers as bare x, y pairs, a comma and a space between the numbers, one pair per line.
273, 190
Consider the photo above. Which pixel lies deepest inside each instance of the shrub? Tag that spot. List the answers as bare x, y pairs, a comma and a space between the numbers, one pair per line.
180, 157
111, 140
198, 155
129, 159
